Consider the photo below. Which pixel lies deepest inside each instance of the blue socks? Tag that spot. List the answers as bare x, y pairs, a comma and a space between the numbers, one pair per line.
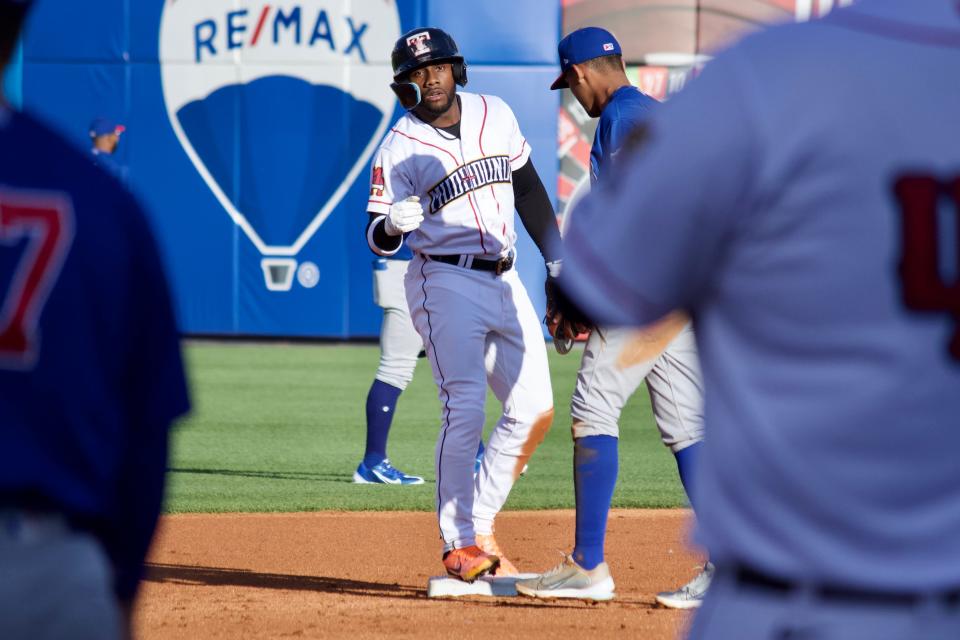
686, 462
381, 402
595, 464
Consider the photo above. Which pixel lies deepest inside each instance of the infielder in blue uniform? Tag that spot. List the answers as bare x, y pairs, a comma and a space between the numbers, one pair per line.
817, 251
104, 138
617, 361
90, 379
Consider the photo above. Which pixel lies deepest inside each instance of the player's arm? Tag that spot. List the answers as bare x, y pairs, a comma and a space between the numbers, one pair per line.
392, 210
536, 212
379, 241
649, 238
530, 198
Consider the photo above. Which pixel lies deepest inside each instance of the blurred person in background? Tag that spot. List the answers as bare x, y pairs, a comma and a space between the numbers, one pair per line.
104, 139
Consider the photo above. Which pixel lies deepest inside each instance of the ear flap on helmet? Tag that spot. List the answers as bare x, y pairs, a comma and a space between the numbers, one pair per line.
460, 73
408, 93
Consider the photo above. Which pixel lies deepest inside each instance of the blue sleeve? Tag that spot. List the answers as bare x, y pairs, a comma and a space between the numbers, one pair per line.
156, 393
617, 132
613, 131
603, 141
650, 238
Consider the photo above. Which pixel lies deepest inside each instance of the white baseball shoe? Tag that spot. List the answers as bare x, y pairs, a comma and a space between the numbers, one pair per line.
570, 580
690, 595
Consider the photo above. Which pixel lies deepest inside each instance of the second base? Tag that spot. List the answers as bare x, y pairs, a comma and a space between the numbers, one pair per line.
446, 587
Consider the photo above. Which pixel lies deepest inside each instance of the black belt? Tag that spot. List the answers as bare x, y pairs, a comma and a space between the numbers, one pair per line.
479, 264
752, 579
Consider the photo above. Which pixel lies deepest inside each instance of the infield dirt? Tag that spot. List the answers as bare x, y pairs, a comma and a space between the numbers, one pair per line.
364, 575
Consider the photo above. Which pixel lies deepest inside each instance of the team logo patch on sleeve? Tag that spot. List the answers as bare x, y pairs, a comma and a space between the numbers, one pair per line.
470, 177
376, 183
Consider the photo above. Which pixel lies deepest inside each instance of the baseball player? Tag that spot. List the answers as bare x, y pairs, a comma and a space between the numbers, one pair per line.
616, 361
818, 255
104, 139
449, 174
399, 346
90, 379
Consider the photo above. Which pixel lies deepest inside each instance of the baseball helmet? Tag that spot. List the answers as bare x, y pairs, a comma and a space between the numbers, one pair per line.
419, 47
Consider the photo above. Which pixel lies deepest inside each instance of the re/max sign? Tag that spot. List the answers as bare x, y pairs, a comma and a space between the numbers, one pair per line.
274, 26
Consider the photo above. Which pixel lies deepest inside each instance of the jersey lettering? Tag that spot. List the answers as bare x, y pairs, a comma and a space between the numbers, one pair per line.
467, 195
924, 286
45, 220
469, 177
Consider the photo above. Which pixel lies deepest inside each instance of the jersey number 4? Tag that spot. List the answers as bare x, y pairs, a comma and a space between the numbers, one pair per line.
46, 222
924, 285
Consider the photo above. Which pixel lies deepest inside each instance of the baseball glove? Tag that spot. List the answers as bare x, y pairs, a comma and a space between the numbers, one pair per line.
563, 320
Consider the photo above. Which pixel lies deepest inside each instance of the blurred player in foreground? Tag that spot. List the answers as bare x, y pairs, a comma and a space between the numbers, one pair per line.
90, 379
617, 361
817, 251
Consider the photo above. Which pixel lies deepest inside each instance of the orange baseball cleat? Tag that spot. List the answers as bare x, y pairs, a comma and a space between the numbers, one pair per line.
469, 563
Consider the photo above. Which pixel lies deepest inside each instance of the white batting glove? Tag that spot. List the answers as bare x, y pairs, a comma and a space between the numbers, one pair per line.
404, 216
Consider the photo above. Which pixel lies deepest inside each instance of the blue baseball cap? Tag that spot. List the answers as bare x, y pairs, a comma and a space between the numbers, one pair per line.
582, 45
104, 126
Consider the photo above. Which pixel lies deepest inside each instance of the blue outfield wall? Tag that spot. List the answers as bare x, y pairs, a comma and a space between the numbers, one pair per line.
250, 126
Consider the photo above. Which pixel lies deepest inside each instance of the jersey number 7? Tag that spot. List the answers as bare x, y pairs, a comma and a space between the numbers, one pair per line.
46, 221
924, 286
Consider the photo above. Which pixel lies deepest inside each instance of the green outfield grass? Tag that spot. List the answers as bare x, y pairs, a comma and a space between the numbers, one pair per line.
278, 427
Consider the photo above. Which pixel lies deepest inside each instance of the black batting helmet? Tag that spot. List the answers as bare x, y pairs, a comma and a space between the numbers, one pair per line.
418, 47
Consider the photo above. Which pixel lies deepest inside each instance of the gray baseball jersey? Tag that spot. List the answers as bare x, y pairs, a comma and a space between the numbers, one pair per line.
790, 199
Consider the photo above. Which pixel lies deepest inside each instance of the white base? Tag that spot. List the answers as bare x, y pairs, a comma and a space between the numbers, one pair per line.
446, 587
677, 603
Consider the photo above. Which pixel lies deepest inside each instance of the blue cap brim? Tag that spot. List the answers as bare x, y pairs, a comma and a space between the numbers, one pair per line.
560, 82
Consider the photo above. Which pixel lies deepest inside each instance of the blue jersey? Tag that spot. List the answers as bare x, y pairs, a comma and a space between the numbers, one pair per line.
804, 243
627, 108
108, 161
90, 368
